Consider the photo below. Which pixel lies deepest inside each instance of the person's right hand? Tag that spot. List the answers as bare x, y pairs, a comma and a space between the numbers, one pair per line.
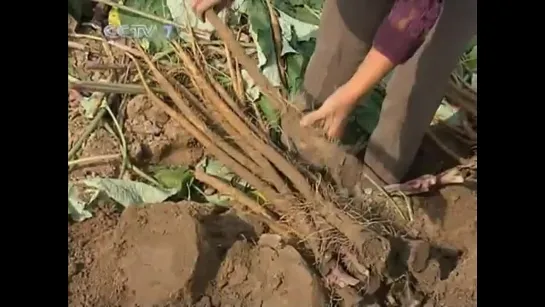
334, 112
201, 6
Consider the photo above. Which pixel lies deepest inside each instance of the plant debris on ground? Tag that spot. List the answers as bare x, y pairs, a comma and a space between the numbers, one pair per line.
182, 192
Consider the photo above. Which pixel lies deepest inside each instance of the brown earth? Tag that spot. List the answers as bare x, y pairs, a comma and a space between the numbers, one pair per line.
447, 219
456, 234
157, 138
151, 136
187, 254
184, 254
175, 255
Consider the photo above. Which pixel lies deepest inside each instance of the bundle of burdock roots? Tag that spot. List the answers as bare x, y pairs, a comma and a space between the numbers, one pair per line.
315, 211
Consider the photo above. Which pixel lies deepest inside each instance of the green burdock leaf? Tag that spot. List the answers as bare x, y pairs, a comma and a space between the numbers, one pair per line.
158, 41
128, 193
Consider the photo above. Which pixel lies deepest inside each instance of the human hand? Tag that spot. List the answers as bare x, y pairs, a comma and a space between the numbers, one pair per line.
201, 6
334, 112
338, 106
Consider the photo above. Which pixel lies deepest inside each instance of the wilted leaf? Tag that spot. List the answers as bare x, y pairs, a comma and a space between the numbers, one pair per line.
76, 206
252, 91
91, 104
447, 114
128, 193
215, 168
113, 17
295, 28
427, 182
261, 32
216, 199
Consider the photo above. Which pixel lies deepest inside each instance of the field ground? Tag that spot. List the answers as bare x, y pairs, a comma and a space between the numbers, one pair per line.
143, 256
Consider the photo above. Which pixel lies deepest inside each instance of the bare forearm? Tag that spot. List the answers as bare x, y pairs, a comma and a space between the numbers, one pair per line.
373, 68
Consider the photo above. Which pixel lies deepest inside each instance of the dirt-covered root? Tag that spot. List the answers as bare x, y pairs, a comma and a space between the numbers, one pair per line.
298, 205
326, 230
310, 147
184, 255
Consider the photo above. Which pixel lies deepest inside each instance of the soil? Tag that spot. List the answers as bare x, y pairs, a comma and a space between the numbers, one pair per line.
156, 138
180, 254
448, 219
152, 138
189, 254
185, 254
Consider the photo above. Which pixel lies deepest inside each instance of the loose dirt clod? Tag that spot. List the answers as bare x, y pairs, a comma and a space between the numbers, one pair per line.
146, 259
265, 276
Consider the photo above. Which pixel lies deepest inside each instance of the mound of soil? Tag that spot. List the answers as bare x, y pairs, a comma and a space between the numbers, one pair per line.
267, 275
449, 219
180, 255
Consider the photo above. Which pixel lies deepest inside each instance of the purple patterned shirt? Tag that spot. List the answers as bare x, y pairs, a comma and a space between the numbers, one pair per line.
405, 28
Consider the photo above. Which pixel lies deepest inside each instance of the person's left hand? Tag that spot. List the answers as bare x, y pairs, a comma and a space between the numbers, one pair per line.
201, 6
334, 112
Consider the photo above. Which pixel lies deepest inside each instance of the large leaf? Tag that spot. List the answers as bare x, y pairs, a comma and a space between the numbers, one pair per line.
158, 41
271, 115
364, 118
261, 32
306, 11
296, 48
80, 8
175, 178
128, 193
297, 63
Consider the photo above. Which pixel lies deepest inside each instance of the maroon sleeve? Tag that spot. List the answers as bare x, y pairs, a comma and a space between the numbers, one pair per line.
405, 28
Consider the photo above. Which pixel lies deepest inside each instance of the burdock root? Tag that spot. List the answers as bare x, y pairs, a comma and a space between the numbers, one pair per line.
299, 206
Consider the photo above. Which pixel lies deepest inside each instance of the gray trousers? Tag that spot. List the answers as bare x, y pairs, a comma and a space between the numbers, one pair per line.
416, 88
